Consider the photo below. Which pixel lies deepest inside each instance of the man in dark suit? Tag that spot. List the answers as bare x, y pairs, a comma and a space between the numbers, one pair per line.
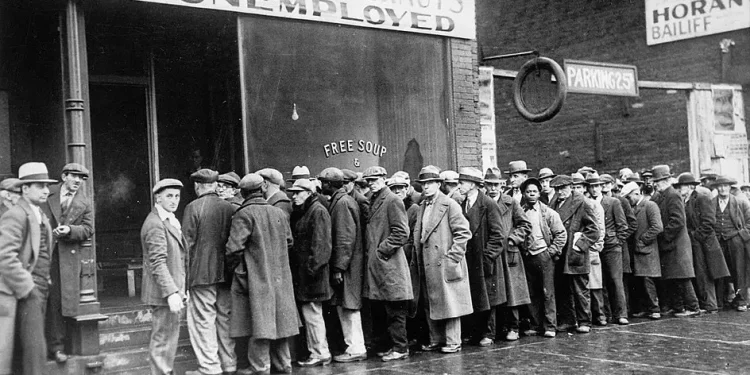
71, 215
733, 230
25, 247
164, 279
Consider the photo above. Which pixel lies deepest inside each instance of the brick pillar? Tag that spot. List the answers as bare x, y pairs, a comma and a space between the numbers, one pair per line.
465, 106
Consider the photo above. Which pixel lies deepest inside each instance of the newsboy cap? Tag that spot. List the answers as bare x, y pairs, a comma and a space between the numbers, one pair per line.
204, 176
374, 172
167, 183
449, 176
76, 168
531, 181
251, 181
230, 178
560, 181
331, 174
11, 184
271, 175
349, 175
302, 184
629, 188
396, 181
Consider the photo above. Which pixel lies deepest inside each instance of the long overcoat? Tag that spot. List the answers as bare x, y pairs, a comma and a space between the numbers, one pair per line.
739, 212
595, 262
440, 245
262, 293
387, 275
347, 255
79, 217
311, 253
282, 201
700, 215
646, 261
165, 260
205, 226
515, 227
627, 250
486, 276
675, 250
577, 217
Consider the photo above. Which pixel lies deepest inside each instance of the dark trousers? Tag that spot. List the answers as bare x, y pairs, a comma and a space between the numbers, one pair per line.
31, 347
734, 253
540, 275
679, 294
611, 258
597, 305
648, 298
573, 300
703, 283
54, 322
389, 324
480, 324
511, 317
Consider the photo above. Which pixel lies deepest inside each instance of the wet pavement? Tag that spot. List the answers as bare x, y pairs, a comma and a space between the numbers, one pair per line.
707, 344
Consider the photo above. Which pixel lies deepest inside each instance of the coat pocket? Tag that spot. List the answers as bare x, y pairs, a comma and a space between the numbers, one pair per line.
240, 285
452, 271
640, 248
576, 258
514, 256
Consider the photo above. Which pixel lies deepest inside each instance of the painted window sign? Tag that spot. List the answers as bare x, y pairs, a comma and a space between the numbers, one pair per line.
451, 18
587, 77
349, 145
671, 20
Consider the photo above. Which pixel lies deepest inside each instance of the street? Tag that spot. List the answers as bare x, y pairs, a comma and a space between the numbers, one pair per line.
708, 344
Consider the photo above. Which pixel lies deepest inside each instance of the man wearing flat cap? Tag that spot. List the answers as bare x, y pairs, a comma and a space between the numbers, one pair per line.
164, 278
25, 256
350, 178
70, 213
205, 226
227, 187
272, 182
263, 307
10, 192
733, 231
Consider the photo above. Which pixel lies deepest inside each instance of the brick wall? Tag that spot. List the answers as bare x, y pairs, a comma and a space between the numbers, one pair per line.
465, 87
605, 31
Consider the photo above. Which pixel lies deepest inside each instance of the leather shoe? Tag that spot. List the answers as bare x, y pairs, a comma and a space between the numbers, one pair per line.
530, 332
641, 314
394, 355
348, 357
687, 313
453, 348
431, 347
550, 334
654, 316
623, 321
312, 362
59, 356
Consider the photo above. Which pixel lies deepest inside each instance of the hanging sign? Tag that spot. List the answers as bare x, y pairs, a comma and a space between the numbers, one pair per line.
451, 18
587, 77
671, 20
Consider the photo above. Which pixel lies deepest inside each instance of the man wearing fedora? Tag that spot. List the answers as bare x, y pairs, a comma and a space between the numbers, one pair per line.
442, 279
387, 279
486, 276
547, 192
518, 173
165, 259
25, 256
733, 231
227, 187
708, 259
10, 192
273, 180
494, 183
70, 213
675, 249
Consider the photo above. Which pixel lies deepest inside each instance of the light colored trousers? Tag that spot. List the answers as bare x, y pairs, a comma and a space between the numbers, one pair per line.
262, 353
208, 315
445, 331
351, 326
315, 328
7, 332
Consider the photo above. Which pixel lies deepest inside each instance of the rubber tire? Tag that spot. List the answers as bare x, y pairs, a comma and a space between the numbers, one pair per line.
562, 89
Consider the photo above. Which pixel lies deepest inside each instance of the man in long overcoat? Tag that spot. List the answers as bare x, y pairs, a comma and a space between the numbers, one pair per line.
387, 278
572, 271
646, 265
733, 230
708, 259
263, 307
71, 215
675, 250
440, 236
486, 276
165, 260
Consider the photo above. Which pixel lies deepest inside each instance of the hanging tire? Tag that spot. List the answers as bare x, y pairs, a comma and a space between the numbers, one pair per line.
530, 67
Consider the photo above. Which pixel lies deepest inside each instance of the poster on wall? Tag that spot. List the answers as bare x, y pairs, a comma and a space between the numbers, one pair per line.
671, 20
487, 117
723, 100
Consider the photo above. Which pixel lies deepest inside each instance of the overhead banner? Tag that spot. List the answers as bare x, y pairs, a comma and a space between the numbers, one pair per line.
450, 18
671, 20
588, 77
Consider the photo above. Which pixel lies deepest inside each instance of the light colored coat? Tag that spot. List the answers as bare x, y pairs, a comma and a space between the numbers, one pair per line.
439, 258
164, 260
515, 228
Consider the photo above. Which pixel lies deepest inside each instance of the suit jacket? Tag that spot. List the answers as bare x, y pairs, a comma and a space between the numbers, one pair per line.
164, 260
80, 218
646, 261
675, 249
700, 215
205, 226
577, 217
615, 224
20, 239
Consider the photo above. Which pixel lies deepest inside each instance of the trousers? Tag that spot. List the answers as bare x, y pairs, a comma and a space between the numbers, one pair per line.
54, 322
264, 353
315, 329
573, 299
351, 325
705, 286
8, 304
540, 275
30, 356
648, 298
611, 258
389, 323
208, 315
165, 332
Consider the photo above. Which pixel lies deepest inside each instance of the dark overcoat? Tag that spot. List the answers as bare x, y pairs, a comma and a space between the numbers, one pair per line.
262, 292
440, 244
387, 275
645, 247
347, 255
412, 210
577, 217
79, 217
515, 227
282, 201
700, 215
486, 276
205, 226
165, 259
675, 250
739, 212
616, 229
311, 253
627, 250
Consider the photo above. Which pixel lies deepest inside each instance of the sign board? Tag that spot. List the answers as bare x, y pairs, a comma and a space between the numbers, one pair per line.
671, 20
587, 77
450, 18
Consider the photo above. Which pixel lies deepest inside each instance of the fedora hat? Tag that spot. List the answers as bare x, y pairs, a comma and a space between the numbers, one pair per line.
34, 172
723, 180
545, 173
660, 172
708, 174
686, 178
493, 176
594, 179
517, 166
470, 174
634, 177
577, 179
449, 177
429, 173
299, 172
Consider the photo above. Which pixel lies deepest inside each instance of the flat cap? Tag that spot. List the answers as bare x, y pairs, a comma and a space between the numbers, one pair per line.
302, 184
11, 184
76, 168
230, 178
396, 181
449, 176
577, 179
561, 180
167, 183
349, 175
629, 188
204, 176
374, 172
531, 181
403, 175
272, 175
470, 174
331, 174
251, 181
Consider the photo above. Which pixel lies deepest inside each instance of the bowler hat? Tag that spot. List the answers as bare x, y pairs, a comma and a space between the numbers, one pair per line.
493, 175
11, 184
204, 176
349, 175
331, 174
396, 181
560, 181
723, 180
299, 172
545, 173
594, 179
517, 166
429, 173
470, 174
708, 174
686, 178
167, 183
374, 172
230, 178
251, 181
271, 175
530, 181
34, 172
76, 168
449, 176
577, 179
302, 184
629, 188
660, 172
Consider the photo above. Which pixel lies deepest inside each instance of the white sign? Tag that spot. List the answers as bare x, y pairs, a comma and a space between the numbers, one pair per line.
588, 77
671, 20
487, 116
450, 18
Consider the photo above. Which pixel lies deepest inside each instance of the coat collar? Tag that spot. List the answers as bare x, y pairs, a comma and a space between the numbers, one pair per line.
172, 230
477, 212
254, 200
277, 197
337, 195
440, 204
378, 200
34, 229
570, 206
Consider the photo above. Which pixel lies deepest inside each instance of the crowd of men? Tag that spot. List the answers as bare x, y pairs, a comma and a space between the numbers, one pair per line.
452, 259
